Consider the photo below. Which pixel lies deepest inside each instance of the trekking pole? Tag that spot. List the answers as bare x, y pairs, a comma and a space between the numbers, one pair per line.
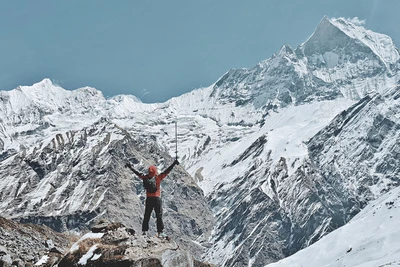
176, 140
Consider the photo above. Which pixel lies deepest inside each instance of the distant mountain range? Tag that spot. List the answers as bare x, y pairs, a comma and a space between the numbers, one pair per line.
273, 158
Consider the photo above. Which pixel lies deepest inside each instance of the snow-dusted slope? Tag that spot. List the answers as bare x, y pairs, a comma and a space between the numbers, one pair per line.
285, 152
374, 125
30, 113
77, 177
304, 189
284, 133
370, 239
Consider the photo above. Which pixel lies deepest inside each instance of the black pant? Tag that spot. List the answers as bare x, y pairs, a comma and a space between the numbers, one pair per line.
156, 204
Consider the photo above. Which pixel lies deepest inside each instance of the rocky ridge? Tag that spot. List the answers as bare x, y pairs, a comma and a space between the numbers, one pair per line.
108, 244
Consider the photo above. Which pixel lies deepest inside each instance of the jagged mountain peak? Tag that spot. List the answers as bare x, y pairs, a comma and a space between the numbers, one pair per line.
321, 68
46, 82
332, 34
286, 50
326, 37
45, 97
41, 89
47, 91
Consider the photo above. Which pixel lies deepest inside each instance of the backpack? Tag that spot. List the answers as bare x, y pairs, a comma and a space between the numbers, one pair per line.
150, 184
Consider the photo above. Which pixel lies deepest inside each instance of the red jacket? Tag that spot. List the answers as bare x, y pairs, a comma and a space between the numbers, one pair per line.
153, 172
159, 177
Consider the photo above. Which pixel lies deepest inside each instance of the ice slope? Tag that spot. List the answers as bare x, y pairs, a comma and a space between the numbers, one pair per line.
370, 239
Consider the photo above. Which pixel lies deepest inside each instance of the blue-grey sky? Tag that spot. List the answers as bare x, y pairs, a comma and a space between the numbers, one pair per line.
156, 50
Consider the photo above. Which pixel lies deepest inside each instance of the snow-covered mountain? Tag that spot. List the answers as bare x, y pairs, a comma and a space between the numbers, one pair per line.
370, 239
284, 152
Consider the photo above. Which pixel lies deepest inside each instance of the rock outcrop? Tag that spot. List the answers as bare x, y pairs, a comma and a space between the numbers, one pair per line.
25, 244
108, 244
113, 244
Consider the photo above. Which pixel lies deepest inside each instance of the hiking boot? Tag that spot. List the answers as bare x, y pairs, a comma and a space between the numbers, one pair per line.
144, 233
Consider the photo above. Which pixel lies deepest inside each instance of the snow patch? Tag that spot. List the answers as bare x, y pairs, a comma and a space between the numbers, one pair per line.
83, 260
42, 260
75, 246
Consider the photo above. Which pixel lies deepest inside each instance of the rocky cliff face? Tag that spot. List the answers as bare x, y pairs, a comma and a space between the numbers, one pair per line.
373, 130
270, 209
77, 177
